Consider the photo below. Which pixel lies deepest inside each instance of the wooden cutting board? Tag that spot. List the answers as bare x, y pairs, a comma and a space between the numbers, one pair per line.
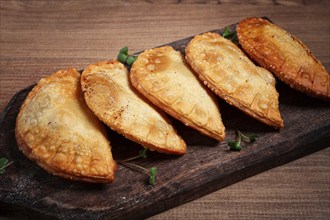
26, 190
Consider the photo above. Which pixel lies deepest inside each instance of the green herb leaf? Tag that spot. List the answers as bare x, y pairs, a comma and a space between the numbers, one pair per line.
3, 164
227, 33
248, 138
143, 153
152, 177
253, 137
3, 161
130, 60
124, 50
234, 145
122, 58
152, 171
230, 35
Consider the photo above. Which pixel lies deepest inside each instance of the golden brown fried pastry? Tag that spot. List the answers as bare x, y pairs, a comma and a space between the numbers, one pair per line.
114, 101
284, 55
56, 129
163, 77
224, 68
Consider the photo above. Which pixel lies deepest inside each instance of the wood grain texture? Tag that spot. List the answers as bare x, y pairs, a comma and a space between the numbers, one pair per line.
40, 37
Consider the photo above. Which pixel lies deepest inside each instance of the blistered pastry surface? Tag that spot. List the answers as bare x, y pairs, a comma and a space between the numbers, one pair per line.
284, 55
56, 129
112, 98
224, 68
163, 77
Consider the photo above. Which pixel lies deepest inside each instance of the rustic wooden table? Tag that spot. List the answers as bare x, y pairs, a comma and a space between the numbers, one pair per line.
40, 37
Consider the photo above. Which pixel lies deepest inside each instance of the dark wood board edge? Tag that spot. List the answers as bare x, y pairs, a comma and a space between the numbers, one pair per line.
234, 177
312, 144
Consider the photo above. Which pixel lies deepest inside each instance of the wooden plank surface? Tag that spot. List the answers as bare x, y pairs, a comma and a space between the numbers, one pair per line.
38, 38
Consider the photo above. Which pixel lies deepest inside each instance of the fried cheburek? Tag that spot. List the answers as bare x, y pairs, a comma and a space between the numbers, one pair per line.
225, 69
284, 55
114, 101
163, 77
56, 129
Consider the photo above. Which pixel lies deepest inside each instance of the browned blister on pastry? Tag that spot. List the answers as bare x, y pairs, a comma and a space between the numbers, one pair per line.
284, 55
163, 77
56, 129
111, 97
224, 68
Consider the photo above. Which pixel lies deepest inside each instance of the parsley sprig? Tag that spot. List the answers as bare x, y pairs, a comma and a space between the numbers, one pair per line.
152, 172
230, 35
4, 162
236, 145
124, 57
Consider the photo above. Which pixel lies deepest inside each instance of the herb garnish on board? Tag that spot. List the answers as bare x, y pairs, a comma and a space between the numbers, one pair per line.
236, 145
4, 162
152, 172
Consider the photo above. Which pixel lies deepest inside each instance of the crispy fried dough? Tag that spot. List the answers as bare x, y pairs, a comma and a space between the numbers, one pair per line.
56, 129
162, 76
114, 101
224, 68
284, 55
